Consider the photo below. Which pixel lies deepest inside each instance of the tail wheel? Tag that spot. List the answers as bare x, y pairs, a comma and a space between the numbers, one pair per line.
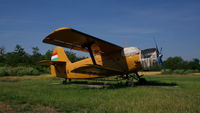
64, 81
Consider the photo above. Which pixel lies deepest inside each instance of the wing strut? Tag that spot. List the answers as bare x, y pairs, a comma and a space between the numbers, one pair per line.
91, 55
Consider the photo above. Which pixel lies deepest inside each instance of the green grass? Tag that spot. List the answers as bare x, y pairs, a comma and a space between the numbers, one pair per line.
180, 71
155, 98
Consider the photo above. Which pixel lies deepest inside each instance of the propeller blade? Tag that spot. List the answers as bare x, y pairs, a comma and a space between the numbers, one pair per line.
156, 45
160, 50
159, 56
161, 62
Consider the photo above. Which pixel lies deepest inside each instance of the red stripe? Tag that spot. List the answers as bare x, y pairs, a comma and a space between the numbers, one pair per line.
54, 54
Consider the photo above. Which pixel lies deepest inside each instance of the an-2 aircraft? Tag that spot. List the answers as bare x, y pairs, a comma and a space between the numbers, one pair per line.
106, 59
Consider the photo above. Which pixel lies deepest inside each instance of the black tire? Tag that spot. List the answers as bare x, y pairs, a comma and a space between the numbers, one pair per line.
142, 81
64, 82
130, 83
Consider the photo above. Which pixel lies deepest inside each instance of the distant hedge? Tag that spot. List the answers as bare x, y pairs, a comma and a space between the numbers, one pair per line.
20, 71
19, 62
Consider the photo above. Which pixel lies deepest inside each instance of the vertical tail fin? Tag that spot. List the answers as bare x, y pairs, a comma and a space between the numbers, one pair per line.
60, 55
60, 59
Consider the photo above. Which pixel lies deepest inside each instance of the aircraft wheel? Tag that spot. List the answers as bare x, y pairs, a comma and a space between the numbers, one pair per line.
142, 81
130, 83
64, 81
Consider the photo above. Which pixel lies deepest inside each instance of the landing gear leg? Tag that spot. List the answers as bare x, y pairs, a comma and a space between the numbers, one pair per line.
140, 80
129, 81
65, 81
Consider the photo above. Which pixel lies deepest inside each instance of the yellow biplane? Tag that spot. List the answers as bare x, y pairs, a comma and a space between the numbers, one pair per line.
106, 59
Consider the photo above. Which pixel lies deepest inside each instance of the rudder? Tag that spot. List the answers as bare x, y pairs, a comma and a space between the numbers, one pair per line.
59, 69
60, 55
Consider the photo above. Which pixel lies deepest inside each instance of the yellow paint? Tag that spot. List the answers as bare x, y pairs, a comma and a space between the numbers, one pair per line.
53, 70
133, 62
114, 62
62, 28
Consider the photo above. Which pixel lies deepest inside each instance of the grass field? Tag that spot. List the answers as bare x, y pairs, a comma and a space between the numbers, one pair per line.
42, 94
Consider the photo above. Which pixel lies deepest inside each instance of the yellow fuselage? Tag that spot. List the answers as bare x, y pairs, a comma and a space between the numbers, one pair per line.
125, 64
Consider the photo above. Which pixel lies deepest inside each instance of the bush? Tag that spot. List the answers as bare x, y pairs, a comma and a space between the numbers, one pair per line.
3, 71
179, 71
19, 71
42, 69
168, 71
26, 71
191, 71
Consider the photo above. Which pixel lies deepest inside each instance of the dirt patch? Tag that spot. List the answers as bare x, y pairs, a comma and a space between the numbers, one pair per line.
160, 74
25, 108
21, 78
5, 108
94, 86
149, 73
44, 109
196, 74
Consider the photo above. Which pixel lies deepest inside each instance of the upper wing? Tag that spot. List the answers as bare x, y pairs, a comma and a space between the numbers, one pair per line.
73, 39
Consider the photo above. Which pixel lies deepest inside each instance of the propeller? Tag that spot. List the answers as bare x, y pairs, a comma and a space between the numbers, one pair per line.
159, 56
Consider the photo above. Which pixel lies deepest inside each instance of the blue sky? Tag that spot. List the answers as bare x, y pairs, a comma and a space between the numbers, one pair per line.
174, 23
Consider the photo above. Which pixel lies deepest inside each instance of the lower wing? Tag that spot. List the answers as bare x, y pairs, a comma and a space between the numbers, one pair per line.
97, 70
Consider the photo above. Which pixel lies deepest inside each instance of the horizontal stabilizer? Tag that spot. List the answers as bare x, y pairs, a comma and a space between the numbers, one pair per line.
48, 62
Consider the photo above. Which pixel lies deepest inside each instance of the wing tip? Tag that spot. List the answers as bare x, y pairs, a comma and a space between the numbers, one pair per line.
63, 28
59, 29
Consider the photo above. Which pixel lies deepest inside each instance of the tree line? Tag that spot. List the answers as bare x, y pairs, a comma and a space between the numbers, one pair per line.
176, 65
19, 62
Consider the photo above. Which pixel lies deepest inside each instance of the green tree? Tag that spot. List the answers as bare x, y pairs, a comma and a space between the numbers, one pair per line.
36, 55
178, 63
194, 64
174, 63
47, 55
18, 57
19, 50
72, 56
2, 51
2, 56
36, 51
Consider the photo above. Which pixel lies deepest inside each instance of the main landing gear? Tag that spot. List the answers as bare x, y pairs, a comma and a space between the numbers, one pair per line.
141, 81
67, 81
135, 76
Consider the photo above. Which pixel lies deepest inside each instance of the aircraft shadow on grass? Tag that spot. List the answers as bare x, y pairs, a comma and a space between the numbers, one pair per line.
106, 84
